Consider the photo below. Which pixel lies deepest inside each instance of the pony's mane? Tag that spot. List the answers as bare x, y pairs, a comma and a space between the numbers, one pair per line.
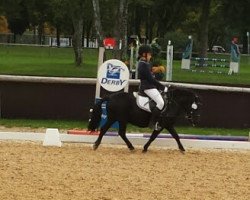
177, 91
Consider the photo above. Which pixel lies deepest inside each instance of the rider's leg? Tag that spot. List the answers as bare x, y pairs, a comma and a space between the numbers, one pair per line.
155, 95
155, 118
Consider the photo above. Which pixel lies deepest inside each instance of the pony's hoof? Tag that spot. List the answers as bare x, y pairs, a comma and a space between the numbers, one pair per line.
182, 150
95, 147
144, 151
131, 148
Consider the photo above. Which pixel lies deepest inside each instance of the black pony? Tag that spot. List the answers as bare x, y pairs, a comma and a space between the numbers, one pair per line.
122, 107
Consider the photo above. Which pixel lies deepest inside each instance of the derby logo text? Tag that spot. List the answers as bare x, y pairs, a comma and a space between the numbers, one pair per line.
113, 75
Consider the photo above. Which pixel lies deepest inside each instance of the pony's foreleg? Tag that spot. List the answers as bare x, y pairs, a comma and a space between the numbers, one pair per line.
103, 130
122, 133
175, 135
151, 139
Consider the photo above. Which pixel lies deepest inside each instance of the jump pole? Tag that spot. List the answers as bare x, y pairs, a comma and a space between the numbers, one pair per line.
131, 61
136, 56
100, 61
169, 61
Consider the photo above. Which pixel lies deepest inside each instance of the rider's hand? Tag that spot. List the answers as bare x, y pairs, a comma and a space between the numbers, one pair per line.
166, 89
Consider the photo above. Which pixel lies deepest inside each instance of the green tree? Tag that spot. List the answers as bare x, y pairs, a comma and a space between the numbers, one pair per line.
116, 10
58, 17
38, 14
76, 11
140, 19
236, 16
120, 29
17, 16
97, 22
88, 21
218, 30
203, 28
168, 15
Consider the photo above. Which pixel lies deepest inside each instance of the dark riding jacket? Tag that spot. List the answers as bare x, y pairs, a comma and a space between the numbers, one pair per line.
146, 78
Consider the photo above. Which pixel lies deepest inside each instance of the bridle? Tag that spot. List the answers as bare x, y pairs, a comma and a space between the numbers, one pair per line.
189, 112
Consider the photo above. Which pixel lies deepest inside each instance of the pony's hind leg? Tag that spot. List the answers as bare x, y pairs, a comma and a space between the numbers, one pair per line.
103, 130
122, 133
151, 139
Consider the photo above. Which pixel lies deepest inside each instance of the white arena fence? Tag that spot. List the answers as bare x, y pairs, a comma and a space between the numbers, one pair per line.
40, 79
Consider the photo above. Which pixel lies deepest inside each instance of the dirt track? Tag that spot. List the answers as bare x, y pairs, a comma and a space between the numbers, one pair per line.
30, 171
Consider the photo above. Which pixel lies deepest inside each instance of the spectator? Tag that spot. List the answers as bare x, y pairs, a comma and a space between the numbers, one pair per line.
235, 52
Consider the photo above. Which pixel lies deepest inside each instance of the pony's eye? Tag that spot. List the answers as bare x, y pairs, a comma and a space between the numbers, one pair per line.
194, 106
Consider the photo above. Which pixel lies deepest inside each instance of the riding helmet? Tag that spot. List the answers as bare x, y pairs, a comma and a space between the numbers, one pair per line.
144, 49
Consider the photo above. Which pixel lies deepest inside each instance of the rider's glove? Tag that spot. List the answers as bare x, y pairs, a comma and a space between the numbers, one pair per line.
166, 89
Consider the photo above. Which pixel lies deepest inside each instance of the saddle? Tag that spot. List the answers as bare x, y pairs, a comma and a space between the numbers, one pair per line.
144, 102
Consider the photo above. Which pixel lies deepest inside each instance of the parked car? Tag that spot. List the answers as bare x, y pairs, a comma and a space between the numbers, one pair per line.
218, 49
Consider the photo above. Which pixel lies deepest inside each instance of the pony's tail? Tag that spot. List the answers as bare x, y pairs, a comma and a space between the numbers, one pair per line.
95, 115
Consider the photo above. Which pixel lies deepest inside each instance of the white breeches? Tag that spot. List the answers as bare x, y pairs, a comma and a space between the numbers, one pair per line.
156, 96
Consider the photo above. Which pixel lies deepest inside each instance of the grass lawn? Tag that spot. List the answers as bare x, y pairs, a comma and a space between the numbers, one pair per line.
67, 125
47, 61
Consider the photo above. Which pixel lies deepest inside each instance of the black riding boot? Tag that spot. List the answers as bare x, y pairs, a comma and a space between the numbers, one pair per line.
153, 123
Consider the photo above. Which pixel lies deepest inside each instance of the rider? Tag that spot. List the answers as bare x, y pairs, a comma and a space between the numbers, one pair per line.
149, 85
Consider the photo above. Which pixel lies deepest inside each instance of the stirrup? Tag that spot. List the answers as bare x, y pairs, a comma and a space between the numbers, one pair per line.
157, 126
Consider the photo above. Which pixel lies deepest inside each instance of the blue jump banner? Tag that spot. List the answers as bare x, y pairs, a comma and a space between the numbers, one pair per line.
104, 115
